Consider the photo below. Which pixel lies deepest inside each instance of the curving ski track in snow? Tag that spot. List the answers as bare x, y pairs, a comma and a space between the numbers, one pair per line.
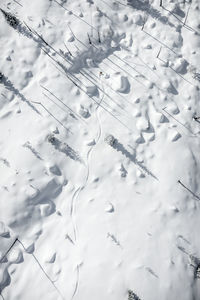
80, 189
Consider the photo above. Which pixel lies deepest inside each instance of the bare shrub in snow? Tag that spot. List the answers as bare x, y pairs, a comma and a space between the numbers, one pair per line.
197, 76
110, 140
132, 295
11, 20
198, 272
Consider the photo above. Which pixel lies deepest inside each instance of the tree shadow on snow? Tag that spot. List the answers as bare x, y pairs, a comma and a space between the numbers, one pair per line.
119, 147
9, 86
65, 148
154, 13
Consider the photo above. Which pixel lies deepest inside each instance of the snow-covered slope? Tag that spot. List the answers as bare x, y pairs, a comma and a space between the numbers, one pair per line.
99, 150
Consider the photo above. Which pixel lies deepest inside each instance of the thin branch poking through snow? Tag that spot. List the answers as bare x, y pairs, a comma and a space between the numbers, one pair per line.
189, 190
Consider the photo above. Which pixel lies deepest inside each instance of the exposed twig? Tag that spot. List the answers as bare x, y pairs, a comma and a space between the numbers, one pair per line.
159, 52
187, 14
89, 39
67, 49
4, 256
189, 190
99, 38
197, 119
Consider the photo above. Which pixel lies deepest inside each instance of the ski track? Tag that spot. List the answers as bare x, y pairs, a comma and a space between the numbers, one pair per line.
109, 100
80, 189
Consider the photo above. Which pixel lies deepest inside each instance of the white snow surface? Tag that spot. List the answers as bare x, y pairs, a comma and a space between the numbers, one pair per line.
81, 218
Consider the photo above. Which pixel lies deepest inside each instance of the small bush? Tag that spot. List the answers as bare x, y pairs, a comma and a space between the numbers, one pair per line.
132, 295
110, 140
11, 20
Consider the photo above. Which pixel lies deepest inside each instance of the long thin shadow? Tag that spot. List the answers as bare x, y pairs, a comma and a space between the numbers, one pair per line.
122, 60
9, 86
18, 3
195, 262
89, 78
191, 192
108, 4
183, 23
106, 84
182, 249
60, 106
154, 13
30, 147
27, 31
42, 269
98, 62
181, 76
39, 103
106, 54
197, 119
122, 69
119, 147
164, 109
92, 98
148, 66
92, 80
9, 249
15, 23
152, 272
175, 71
75, 15
65, 148
100, 58
69, 72
160, 42
73, 114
